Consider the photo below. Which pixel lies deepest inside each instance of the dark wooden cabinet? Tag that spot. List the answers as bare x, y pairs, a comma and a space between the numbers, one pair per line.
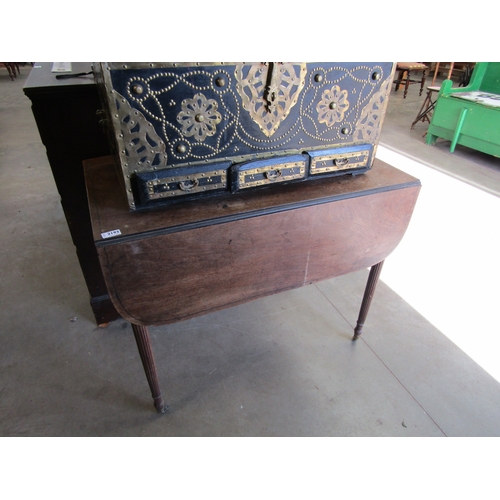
66, 113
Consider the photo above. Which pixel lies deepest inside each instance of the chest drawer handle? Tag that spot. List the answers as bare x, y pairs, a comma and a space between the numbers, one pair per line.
188, 184
272, 175
340, 162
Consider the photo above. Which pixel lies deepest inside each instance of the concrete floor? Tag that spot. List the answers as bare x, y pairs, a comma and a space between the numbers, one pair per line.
280, 366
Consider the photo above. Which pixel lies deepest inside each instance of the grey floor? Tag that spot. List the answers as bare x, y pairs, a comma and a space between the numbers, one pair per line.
281, 366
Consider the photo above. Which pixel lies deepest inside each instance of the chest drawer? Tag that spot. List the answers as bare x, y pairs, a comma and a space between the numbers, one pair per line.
340, 159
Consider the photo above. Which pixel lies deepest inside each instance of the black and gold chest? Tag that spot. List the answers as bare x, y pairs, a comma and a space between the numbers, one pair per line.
200, 129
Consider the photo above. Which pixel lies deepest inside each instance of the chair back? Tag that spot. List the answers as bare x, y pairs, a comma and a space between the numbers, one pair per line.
490, 81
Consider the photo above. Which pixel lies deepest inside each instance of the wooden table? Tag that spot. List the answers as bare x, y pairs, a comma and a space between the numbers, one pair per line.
191, 258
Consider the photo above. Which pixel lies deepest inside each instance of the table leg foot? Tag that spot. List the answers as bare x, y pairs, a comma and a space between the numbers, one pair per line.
367, 298
141, 334
358, 331
160, 405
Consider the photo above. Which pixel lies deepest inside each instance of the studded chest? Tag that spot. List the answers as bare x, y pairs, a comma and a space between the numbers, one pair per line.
188, 130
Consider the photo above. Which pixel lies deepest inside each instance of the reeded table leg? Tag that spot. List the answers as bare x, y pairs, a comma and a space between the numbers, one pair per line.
367, 298
144, 345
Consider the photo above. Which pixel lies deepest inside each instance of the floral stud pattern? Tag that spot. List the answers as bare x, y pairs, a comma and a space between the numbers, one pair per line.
199, 117
333, 106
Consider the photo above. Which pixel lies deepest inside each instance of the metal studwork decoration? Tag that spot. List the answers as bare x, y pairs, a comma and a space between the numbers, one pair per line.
368, 126
141, 145
333, 106
269, 91
199, 117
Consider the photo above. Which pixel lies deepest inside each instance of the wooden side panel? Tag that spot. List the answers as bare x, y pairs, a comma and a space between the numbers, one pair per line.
171, 277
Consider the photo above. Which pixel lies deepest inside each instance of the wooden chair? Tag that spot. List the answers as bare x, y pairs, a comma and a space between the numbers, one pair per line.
429, 104
427, 107
12, 68
404, 68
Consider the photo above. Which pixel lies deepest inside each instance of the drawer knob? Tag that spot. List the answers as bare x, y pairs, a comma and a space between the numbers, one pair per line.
272, 175
189, 184
340, 162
